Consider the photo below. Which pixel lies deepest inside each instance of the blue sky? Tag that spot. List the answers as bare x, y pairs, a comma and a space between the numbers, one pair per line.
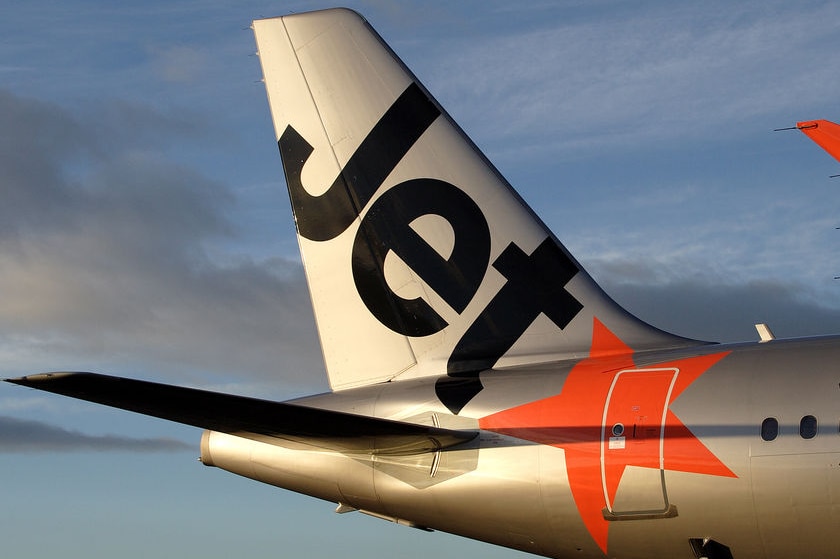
145, 229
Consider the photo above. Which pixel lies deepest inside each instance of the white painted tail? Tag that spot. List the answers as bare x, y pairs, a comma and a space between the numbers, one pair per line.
421, 259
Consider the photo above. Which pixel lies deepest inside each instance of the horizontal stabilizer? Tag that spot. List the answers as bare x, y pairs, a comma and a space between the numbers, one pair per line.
252, 418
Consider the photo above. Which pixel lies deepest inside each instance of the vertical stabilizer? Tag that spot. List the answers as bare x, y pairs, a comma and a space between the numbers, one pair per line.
824, 133
421, 259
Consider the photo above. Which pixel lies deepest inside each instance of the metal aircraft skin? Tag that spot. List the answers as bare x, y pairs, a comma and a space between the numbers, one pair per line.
483, 384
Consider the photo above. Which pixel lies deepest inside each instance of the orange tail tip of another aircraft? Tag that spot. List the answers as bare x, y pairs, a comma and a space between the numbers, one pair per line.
824, 133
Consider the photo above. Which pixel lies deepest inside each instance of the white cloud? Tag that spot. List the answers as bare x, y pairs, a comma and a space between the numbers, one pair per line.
179, 63
663, 72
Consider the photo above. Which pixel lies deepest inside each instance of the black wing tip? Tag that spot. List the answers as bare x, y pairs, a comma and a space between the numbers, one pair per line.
38, 378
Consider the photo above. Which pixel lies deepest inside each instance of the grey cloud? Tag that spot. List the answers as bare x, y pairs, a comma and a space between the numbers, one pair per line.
59, 165
36, 139
109, 255
722, 312
22, 435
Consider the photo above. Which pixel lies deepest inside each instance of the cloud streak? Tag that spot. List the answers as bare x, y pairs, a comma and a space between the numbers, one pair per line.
23, 435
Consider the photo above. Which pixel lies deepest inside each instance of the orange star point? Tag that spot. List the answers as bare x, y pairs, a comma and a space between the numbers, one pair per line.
608, 385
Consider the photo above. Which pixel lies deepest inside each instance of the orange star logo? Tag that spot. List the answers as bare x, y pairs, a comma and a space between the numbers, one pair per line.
610, 415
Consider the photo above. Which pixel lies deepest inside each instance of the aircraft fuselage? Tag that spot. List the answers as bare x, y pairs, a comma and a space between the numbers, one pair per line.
529, 480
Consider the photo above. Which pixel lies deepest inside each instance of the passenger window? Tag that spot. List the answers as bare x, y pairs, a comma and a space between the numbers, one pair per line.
769, 429
808, 427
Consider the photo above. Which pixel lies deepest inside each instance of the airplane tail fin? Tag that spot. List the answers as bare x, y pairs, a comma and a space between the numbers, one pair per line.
421, 259
824, 133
